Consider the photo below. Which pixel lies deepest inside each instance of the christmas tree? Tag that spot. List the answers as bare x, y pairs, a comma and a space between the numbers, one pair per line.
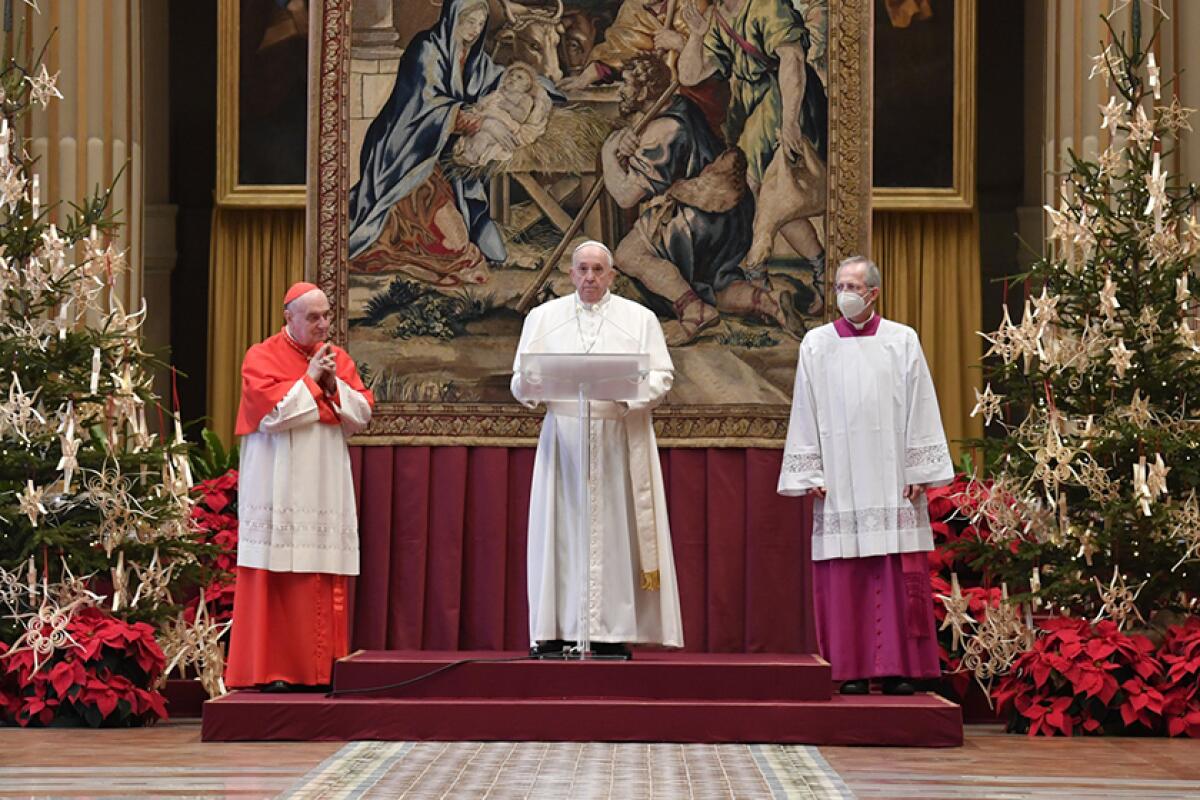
1094, 508
95, 513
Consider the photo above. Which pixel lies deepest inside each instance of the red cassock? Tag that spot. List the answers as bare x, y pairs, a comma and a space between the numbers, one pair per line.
287, 626
290, 615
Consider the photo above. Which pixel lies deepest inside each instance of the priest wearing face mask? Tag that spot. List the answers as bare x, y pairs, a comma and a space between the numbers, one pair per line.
297, 529
865, 439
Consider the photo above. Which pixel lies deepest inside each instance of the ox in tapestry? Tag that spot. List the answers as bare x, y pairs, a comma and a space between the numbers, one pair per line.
690, 135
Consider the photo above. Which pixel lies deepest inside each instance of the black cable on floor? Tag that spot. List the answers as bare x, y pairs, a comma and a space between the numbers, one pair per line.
430, 674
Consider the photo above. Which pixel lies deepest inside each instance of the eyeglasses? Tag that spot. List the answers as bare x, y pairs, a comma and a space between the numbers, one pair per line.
849, 287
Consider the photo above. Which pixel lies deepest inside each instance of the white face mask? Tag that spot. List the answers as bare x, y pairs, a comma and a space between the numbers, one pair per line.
851, 304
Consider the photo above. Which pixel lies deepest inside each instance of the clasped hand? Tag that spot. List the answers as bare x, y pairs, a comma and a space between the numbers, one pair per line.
322, 368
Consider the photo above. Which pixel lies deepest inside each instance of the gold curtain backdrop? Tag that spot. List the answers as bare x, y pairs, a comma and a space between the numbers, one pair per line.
254, 255
930, 265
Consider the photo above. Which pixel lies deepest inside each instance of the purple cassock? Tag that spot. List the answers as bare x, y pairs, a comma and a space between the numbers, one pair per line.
864, 425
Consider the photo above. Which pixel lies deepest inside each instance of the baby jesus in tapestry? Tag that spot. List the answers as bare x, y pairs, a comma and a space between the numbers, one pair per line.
510, 117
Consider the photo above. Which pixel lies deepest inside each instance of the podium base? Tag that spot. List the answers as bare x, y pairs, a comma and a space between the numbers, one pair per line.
576, 655
559, 650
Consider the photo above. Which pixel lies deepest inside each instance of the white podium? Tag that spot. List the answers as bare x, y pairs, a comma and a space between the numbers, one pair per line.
585, 377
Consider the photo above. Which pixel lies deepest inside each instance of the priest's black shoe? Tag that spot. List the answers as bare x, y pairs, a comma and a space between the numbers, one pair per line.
862, 686
551, 648
277, 687
898, 686
611, 650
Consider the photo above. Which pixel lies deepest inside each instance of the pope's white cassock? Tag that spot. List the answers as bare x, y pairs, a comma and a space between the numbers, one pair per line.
865, 425
634, 594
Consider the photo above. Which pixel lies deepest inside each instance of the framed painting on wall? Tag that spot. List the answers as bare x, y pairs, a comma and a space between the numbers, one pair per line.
924, 105
462, 149
262, 96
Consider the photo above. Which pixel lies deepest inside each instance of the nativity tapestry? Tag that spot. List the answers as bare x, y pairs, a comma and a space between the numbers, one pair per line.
463, 148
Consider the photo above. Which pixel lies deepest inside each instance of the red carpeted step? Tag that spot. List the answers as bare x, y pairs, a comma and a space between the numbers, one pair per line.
185, 698
919, 721
649, 676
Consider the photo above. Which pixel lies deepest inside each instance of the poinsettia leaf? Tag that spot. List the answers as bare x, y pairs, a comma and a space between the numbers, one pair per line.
124, 708
157, 704
1002, 698
106, 703
1108, 689
1072, 648
62, 677
1090, 685
1041, 674
1146, 669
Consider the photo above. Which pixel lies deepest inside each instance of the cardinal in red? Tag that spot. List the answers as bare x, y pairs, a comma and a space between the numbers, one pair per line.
302, 398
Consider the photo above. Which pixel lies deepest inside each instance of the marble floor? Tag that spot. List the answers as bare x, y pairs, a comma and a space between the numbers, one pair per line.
171, 761
998, 766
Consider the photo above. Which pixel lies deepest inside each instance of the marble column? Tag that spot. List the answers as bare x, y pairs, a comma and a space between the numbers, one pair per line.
374, 57
372, 26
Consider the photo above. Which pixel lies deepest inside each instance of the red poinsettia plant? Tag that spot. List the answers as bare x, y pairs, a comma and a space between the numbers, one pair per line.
951, 509
1078, 677
103, 675
215, 515
1180, 655
1083, 678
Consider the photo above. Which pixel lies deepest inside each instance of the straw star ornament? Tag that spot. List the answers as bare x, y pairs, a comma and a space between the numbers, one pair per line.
987, 403
1113, 114
1122, 358
43, 87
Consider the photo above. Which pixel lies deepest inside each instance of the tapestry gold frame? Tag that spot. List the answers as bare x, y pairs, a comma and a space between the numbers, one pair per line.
961, 195
848, 228
231, 193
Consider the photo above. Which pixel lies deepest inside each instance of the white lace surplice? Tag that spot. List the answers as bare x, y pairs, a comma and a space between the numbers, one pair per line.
296, 510
864, 425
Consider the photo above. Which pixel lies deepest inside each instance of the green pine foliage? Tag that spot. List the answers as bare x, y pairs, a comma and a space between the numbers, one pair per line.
74, 379
1097, 377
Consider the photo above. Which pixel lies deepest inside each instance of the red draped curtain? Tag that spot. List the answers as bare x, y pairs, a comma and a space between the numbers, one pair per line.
443, 549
